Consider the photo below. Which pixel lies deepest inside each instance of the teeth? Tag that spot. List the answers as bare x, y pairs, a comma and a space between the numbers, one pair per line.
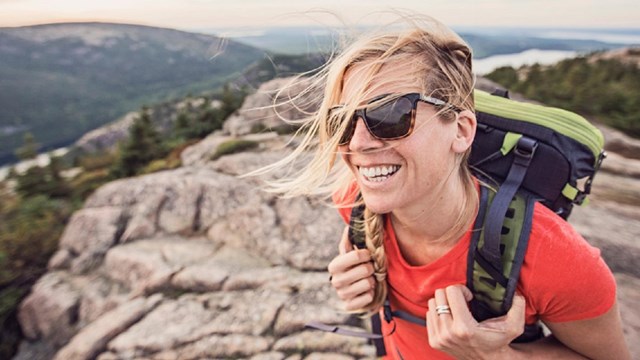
378, 173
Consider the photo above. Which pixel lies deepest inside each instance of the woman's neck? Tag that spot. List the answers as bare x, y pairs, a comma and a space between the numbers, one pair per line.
429, 220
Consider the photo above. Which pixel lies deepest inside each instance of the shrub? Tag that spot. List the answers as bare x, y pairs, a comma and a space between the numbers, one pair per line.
234, 146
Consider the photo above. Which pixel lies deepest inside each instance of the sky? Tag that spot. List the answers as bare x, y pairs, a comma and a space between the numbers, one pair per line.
210, 14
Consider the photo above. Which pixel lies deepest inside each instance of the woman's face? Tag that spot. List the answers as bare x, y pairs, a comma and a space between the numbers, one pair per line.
398, 174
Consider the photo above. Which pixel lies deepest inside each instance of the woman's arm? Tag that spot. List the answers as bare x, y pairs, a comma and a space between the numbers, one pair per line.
597, 338
461, 336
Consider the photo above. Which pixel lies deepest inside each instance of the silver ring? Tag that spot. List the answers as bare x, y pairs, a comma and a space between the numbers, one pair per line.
443, 309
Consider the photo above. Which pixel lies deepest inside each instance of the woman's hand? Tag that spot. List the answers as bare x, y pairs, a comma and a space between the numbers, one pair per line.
461, 336
352, 274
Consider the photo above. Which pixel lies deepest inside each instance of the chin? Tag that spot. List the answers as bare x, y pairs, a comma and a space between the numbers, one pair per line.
377, 205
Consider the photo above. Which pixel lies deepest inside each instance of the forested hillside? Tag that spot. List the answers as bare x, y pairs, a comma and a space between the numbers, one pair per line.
606, 89
62, 80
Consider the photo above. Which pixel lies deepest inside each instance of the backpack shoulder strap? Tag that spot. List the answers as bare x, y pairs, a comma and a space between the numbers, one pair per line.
493, 291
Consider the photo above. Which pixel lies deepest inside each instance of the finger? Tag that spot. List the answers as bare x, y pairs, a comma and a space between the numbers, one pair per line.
458, 301
346, 261
432, 322
513, 321
355, 289
356, 273
441, 300
345, 244
359, 301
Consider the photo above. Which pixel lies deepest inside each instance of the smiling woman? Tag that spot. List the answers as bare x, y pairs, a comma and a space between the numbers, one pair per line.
392, 137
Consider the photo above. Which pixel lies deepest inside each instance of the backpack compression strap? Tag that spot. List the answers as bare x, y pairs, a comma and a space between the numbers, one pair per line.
493, 292
489, 253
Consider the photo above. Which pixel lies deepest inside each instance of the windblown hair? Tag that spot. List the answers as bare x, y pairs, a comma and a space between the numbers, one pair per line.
439, 59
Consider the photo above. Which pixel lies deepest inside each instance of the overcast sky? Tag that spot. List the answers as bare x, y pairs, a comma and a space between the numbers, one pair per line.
203, 14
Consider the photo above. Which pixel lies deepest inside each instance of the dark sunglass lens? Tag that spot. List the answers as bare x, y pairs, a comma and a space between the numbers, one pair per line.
347, 134
336, 118
390, 120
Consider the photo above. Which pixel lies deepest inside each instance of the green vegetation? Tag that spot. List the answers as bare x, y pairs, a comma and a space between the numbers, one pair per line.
143, 145
32, 219
606, 90
61, 88
233, 146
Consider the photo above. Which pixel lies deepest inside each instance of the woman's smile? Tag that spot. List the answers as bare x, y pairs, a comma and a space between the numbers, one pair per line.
378, 173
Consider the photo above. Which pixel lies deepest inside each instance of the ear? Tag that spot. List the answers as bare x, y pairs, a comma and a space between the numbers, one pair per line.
466, 121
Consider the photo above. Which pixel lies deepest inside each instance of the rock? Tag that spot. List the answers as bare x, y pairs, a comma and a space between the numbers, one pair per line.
628, 300
106, 137
272, 355
50, 312
211, 273
311, 228
99, 295
90, 233
201, 153
314, 341
93, 338
218, 347
258, 111
620, 165
328, 356
621, 144
168, 326
309, 306
245, 312
149, 264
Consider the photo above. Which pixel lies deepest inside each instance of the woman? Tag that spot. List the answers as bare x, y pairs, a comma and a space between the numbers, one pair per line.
421, 201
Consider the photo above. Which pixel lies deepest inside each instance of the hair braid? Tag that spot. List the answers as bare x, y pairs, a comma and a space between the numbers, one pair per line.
374, 235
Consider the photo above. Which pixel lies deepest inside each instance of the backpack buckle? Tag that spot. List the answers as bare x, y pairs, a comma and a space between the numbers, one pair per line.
524, 150
386, 310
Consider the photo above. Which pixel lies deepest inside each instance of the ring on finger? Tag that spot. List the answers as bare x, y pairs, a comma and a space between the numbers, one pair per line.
443, 309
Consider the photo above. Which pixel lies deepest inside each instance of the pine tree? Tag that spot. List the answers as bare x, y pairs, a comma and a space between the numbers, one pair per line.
29, 149
143, 145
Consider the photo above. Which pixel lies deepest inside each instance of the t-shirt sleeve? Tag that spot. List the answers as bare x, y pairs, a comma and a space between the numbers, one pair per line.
569, 279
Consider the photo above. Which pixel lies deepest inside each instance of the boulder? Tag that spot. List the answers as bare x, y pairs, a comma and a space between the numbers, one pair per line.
93, 338
50, 312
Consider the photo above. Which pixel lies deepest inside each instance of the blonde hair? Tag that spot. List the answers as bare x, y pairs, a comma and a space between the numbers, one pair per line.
442, 62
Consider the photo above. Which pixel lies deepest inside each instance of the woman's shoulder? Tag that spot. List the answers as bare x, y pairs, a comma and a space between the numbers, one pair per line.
553, 239
548, 227
565, 276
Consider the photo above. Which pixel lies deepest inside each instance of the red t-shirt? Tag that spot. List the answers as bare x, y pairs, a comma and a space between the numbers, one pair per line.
563, 278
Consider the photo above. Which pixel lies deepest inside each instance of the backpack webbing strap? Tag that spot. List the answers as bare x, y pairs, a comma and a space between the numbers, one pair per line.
342, 331
490, 250
376, 328
493, 295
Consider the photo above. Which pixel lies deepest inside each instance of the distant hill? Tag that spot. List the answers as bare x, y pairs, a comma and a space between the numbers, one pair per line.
59, 81
301, 40
488, 45
604, 86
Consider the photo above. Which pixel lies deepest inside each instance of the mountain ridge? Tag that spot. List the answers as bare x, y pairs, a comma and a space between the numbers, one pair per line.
62, 80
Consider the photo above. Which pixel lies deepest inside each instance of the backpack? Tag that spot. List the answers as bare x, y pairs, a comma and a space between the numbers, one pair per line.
524, 153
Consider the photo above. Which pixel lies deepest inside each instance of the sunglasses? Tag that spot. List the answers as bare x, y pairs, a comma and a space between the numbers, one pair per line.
388, 120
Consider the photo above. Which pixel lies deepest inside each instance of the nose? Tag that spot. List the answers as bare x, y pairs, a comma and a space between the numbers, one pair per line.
362, 139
